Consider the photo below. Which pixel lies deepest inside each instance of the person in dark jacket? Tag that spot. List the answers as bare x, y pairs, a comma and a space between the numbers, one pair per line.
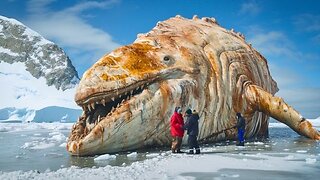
241, 124
177, 131
192, 127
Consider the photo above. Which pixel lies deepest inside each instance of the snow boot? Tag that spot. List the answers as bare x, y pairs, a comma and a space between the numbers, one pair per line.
197, 151
190, 151
179, 151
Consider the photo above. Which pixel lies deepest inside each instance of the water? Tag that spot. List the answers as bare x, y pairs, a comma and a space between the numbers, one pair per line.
42, 149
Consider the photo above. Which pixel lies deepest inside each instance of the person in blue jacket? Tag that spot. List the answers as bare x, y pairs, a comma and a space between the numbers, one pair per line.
192, 127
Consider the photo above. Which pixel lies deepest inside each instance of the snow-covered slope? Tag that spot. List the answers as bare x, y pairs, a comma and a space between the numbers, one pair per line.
34, 73
315, 122
21, 90
41, 57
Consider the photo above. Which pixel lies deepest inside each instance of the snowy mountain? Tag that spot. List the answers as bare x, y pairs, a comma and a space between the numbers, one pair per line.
41, 57
34, 74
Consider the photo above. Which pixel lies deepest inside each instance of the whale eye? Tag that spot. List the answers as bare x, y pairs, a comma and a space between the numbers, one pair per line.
166, 58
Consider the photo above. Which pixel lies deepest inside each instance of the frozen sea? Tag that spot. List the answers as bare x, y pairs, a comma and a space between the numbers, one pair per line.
37, 151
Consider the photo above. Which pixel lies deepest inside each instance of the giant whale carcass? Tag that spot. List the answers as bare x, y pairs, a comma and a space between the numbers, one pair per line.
128, 95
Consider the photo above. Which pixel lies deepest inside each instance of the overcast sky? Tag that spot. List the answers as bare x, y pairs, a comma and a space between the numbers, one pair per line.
286, 32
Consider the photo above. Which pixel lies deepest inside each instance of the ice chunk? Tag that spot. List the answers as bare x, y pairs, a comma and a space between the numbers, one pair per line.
3, 129
301, 151
152, 155
230, 175
58, 137
311, 160
36, 145
258, 143
132, 155
105, 157
63, 144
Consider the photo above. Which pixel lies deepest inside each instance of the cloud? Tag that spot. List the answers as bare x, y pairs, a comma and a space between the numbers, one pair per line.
285, 78
68, 28
304, 100
274, 43
307, 22
295, 91
249, 8
294, 85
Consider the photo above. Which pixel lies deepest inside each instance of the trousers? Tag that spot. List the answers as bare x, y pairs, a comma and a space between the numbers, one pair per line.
176, 143
241, 135
192, 142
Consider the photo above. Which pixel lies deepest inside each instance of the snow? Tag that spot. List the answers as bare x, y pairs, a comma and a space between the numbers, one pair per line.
105, 157
219, 162
55, 137
10, 20
36, 145
28, 32
152, 155
21, 90
315, 122
8, 51
15, 127
301, 151
172, 167
132, 155
31, 34
311, 160
15, 115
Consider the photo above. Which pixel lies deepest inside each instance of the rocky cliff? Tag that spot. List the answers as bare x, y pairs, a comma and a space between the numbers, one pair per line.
42, 58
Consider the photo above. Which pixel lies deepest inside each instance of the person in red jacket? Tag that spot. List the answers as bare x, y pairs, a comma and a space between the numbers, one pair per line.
177, 130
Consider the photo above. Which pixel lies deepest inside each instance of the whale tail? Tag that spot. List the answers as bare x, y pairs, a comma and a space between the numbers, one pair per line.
281, 111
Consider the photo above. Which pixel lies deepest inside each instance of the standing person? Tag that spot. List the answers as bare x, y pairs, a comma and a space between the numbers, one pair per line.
241, 124
192, 127
177, 130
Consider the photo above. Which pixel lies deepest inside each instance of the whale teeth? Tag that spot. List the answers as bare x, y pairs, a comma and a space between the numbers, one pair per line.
89, 107
99, 118
112, 98
120, 96
137, 88
128, 97
131, 92
103, 102
92, 106
112, 109
122, 101
118, 105
87, 120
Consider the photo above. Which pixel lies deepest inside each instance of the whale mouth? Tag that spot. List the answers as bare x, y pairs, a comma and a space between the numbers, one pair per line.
98, 107
101, 106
